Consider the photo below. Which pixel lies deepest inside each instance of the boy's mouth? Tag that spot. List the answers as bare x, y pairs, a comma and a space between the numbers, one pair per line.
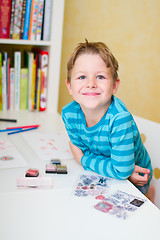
91, 93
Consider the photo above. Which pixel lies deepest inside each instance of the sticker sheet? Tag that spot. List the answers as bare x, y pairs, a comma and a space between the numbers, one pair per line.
9, 156
48, 146
91, 185
119, 204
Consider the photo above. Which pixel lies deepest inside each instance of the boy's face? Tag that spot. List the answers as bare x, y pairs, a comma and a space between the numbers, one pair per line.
92, 84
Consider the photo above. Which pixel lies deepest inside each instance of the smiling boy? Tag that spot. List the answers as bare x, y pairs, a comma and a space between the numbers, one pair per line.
104, 136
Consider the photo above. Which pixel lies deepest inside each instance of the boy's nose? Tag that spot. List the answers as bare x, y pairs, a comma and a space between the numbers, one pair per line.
91, 83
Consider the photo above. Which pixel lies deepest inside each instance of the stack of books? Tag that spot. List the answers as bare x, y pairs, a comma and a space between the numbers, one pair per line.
24, 87
25, 19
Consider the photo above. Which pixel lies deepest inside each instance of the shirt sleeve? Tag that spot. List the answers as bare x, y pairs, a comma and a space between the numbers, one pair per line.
72, 133
121, 163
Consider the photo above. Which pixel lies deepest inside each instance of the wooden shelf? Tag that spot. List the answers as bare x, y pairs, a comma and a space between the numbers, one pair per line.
25, 42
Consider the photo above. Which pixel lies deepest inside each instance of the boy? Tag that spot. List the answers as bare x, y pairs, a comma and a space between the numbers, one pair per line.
104, 137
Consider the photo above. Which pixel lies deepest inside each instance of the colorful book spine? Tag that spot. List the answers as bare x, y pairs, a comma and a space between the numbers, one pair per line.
31, 16
24, 89
6, 76
38, 89
27, 19
33, 23
17, 70
4, 86
47, 20
5, 13
22, 19
33, 83
30, 70
12, 19
1, 104
11, 88
8, 84
17, 19
44, 76
39, 20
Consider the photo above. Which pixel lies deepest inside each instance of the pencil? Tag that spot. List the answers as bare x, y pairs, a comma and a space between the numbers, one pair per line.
22, 130
8, 120
29, 126
9, 130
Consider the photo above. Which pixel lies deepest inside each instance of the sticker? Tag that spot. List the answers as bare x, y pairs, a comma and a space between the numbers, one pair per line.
91, 185
103, 207
123, 204
136, 202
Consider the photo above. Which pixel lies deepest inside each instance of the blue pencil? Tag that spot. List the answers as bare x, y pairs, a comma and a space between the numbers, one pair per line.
22, 130
10, 130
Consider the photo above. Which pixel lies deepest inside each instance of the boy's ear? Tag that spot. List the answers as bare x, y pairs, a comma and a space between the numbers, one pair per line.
69, 87
116, 85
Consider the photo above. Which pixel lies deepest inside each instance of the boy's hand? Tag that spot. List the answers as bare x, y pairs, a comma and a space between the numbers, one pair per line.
138, 179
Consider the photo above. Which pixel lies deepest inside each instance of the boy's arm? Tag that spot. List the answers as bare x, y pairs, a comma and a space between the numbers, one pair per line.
135, 178
76, 151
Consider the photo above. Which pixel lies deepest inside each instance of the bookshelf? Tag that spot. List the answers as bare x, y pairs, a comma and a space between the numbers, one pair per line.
53, 46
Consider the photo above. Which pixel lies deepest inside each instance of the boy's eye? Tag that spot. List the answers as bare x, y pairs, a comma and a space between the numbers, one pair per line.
82, 77
100, 77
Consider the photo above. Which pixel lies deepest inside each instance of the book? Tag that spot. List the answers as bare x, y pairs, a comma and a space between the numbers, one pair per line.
27, 19
47, 20
39, 20
1, 104
17, 19
29, 64
38, 89
4, 84
5, 12
8, 83
24, 89
17, 75
33, 20
31, 16
44, 76
33, 84
22, 19
11, 88
37, 62
12, 19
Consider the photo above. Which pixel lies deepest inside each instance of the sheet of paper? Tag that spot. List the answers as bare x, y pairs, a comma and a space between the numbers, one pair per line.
49, 146
116, 203
9, 156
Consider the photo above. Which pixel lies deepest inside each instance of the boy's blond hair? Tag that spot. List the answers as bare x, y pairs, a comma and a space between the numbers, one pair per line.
93, 48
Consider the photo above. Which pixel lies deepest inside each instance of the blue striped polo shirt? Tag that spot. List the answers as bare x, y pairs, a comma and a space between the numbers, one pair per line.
113, 146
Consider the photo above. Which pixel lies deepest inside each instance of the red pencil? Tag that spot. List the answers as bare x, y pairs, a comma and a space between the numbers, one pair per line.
30, 126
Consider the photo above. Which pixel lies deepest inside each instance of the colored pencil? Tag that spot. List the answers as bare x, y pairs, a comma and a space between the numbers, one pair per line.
23, 130
8, 120
29, 126
9, 130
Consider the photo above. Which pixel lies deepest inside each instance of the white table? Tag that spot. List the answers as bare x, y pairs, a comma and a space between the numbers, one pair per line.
56, 213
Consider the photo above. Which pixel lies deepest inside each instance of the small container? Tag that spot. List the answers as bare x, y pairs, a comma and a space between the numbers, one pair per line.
51, 168
32, 173
55, 161
61, 169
